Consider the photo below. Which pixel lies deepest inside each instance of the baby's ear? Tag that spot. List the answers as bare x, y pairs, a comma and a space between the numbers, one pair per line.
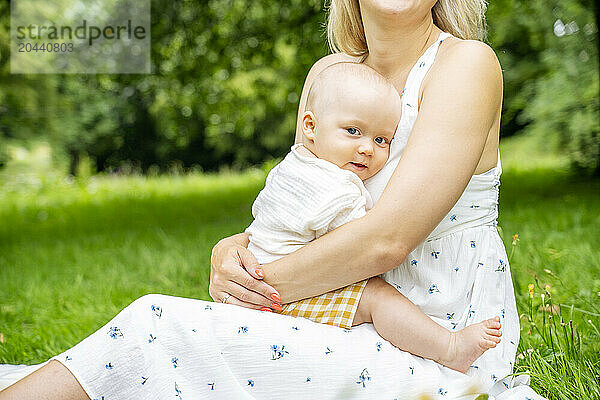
309, 125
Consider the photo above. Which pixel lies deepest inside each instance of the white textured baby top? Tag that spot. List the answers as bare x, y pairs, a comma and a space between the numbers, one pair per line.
304, 198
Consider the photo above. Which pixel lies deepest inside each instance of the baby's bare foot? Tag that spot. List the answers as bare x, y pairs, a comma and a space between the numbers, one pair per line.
465, 346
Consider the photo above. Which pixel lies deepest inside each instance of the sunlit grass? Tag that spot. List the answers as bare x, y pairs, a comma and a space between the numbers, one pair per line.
556, 268
73, 255
75, 252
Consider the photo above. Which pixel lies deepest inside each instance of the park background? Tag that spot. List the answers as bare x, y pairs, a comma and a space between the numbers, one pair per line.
113, 186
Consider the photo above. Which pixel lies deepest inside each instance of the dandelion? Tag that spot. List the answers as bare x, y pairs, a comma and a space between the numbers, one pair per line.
530, 287
513, 247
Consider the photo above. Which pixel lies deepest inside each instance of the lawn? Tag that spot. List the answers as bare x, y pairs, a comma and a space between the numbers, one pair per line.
73, 252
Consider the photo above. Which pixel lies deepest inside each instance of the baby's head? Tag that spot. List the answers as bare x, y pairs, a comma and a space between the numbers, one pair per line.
351, 115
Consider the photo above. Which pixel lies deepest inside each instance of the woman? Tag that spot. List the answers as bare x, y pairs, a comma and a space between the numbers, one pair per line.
431, 233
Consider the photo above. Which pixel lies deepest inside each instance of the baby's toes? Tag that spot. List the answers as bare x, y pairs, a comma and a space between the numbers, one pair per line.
488, 343
493, 323
493, 332
494, 339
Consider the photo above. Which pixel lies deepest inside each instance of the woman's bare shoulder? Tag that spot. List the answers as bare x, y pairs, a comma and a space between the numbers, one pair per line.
466, 75
464, 64
469, 55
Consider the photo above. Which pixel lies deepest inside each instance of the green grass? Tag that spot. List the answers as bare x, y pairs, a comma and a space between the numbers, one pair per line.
74, 253
557, 216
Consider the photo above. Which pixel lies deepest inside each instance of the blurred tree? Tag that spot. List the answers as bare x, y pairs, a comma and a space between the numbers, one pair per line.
226, 80
566, 101
235, 72
549, 53
227, 76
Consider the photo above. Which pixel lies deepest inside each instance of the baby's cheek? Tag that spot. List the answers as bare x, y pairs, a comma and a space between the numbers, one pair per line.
382, 160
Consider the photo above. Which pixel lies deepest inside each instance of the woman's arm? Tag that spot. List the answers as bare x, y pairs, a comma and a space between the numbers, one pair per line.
460, 105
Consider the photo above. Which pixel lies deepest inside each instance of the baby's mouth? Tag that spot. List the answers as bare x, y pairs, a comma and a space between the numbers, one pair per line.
358, 166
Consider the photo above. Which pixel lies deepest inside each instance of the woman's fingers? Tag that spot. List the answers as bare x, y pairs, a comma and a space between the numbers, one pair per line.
251, 297
249, 279
250, 263
247, 289
237, 302
231, 276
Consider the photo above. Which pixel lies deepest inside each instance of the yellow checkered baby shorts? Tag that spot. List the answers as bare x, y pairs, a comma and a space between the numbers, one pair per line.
335, 308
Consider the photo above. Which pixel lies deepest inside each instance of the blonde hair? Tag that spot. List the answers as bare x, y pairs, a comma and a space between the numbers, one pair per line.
464, 19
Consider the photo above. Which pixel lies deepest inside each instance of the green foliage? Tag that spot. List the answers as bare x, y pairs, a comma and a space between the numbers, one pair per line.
227, 77
549, 52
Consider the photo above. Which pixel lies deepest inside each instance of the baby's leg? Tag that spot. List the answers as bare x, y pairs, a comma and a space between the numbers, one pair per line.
402, 323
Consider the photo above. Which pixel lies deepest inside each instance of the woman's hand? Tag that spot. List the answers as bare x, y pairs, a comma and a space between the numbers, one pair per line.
236, 276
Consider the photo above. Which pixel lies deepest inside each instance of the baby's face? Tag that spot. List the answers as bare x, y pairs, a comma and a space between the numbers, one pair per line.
355, 131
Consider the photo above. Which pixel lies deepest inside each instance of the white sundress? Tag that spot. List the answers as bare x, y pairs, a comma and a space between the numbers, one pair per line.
163, 347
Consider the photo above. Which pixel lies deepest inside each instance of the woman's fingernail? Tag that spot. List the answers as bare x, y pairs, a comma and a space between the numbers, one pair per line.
275, 306
259, 272
276, 297
266, 309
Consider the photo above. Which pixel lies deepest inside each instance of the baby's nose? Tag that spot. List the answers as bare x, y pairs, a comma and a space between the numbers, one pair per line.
366, 148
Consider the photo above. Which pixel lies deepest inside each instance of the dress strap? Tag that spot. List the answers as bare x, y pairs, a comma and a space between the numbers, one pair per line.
499, 164
416, 75
410, 93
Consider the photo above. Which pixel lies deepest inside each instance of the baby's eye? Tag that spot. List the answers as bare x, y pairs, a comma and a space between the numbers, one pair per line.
352, 131
381, 140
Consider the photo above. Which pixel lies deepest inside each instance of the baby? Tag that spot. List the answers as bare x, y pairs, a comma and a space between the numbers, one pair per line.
351, 115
